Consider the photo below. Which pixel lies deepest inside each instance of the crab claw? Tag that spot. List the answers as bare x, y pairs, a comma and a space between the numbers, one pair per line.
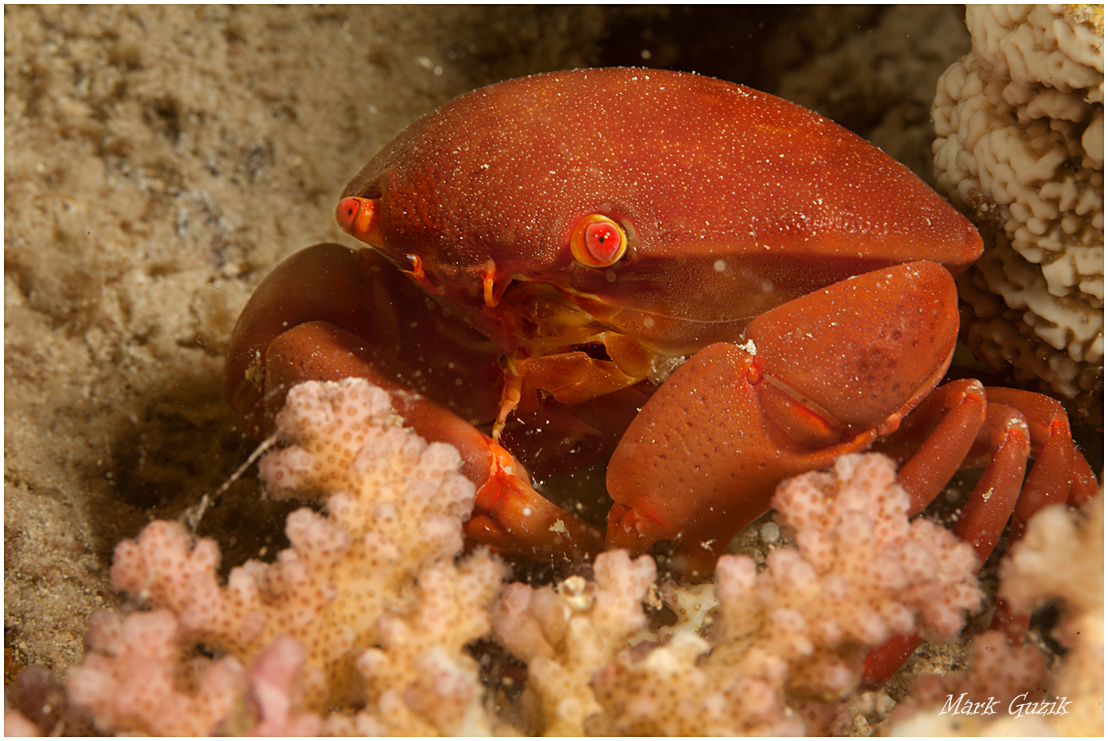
510, 515
820, 376
325, 313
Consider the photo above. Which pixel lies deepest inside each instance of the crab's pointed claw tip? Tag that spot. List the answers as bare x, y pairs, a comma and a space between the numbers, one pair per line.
360, 218
510, 515
629, 530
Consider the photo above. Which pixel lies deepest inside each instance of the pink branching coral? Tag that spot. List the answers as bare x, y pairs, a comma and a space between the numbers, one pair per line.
367, 606
795, 635
1007, 689
998, 674
566, 635
129, 678
1061, 558
787, 644
365, 624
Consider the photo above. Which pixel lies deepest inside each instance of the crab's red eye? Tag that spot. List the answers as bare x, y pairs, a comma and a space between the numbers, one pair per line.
598, 241
361, 219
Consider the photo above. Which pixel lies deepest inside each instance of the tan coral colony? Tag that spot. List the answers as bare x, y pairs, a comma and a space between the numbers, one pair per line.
1019, 123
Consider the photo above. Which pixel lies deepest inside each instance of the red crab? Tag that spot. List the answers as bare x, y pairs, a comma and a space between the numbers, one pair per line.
567, 240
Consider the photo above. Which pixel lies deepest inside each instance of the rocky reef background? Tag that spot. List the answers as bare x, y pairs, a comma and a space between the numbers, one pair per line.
160, 160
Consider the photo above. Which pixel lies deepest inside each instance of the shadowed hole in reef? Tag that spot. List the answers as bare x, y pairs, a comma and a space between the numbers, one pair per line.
724, 41
187, 444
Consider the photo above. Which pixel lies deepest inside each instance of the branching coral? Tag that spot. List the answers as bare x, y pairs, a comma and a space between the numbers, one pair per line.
1062, 557
1020, 129
366, 606
1007, 689
970, 703
787, 644
565, 636
362, 625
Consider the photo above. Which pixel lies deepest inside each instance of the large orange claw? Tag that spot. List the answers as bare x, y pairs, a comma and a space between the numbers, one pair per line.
514, 518
862, 352
508, 513
354, 291
820, 377
328, 283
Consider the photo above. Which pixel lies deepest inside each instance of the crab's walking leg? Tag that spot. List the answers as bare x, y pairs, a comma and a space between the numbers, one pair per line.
999, 431
1059, 475
1016, 424
933, 441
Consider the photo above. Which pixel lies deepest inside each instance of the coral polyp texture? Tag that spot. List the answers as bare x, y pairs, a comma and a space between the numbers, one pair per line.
788, 643
376, 620
1019, 123
1059, 562
366, 606
566, 635
1061, 558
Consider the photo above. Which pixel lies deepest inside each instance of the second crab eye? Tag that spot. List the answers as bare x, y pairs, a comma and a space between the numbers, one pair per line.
598, 241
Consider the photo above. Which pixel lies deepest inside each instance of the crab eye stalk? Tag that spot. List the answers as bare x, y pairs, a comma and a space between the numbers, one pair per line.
360, 218
598, 241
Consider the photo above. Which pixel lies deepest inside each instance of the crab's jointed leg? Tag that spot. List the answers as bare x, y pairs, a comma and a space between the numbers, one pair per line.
965, 425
